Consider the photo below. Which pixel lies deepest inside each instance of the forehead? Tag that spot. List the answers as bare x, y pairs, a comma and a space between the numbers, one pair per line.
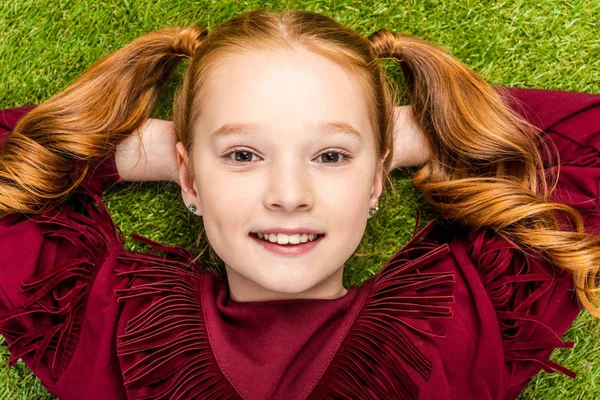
286, 90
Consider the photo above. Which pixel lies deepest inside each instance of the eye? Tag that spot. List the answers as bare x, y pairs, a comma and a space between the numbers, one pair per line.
334, 157
241, 156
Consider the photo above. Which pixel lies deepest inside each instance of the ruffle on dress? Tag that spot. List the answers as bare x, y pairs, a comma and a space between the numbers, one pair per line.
402, 291
165, 350
57, 297
516, 283
166, 353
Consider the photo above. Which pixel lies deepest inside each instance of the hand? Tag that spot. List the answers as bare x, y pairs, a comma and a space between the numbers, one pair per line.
410, 146
153, 158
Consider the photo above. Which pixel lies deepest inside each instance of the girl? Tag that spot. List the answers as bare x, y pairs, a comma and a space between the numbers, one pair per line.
285, 130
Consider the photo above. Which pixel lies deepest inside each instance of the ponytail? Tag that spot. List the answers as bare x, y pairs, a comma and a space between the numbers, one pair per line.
87, 120
487, 168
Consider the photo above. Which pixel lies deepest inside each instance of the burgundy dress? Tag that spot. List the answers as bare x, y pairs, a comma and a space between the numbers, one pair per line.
455, 314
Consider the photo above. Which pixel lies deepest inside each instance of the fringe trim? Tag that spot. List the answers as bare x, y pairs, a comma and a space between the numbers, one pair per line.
362, 367
176, 361
513, 288
167, 344
62, 291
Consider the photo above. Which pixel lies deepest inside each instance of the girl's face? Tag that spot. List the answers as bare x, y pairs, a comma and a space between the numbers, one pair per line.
283, 145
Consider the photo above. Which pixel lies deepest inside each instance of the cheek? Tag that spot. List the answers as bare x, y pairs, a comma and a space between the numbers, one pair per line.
346, 202
345, 194
227, 199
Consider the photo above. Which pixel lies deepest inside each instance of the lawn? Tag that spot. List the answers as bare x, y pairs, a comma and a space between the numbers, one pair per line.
45, 44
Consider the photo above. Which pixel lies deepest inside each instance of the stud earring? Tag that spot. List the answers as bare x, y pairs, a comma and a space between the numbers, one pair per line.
192, 208
372, 211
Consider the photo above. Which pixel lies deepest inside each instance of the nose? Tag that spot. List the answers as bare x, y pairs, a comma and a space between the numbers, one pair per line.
290, 187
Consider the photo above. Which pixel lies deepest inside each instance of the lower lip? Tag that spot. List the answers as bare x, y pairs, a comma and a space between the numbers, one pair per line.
287, 249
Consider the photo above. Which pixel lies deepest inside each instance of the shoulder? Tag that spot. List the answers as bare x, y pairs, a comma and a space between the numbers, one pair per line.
394, 329
512, 305
162, 323
455, 302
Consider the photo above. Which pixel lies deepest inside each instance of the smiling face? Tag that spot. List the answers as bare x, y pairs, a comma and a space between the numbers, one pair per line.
283, 144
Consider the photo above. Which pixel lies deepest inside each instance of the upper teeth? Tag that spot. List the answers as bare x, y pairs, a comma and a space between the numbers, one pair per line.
282, 238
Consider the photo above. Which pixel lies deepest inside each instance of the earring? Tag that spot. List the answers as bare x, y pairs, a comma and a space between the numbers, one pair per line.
192, 208
372, 211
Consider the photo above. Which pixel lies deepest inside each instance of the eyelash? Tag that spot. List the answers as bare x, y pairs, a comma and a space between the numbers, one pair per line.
346, 155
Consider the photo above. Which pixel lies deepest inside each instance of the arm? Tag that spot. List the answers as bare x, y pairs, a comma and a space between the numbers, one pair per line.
149, 154
543, 108
59, 251
153, 158
410, 146
571, 121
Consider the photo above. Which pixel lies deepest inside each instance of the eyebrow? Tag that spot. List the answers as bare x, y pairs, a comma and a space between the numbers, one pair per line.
324, 127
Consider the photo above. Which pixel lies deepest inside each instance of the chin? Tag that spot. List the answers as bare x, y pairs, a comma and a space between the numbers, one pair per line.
289, 286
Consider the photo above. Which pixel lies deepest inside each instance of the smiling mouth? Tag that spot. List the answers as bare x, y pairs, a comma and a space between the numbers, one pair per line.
287, 240
287, 249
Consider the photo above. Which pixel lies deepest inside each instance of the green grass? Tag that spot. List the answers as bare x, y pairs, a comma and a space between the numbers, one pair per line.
552, 45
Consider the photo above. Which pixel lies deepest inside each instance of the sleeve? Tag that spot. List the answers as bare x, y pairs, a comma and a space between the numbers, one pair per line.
569, 121
535, 303
49, 262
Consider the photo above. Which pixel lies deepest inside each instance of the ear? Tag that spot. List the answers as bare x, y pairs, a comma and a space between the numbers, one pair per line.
378, 181
189, 192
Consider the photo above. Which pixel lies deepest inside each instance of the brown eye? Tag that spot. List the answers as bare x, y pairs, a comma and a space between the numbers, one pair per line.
333, 157
240, 156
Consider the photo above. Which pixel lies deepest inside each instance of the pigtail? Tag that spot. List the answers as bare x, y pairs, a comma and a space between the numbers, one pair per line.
487, 168
87, 120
